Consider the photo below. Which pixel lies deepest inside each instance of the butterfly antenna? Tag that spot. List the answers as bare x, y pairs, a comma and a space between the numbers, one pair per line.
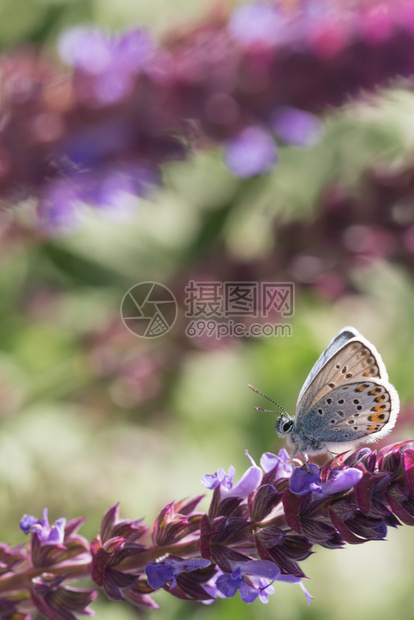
284, 412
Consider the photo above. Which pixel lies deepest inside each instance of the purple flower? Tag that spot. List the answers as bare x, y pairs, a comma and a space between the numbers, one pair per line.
112, 190
111, 61
94, 51
87, 48
60, 205
250, 589
42, 529
296, 126
252, 152
306, 479
260, 23
52, 545
342, 480
220, 478
246, 485
158, 573
253, 580
280, 465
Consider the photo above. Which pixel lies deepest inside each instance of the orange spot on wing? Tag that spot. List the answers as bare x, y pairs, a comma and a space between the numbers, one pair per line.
376, 417
379, 408
371, 428
374, 391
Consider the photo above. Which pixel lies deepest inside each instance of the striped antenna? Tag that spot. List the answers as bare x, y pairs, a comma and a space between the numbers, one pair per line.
284, 412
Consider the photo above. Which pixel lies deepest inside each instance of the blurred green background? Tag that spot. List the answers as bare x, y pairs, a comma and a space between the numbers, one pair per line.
92, 415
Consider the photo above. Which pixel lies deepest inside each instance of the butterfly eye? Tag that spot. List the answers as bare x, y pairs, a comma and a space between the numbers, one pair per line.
287, 426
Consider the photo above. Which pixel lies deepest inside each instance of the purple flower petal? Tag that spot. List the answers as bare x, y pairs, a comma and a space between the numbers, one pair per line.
309, 597
57, 533
293, 579
303, 481
265, 591
341, 481
211, 481
26, 523
260, 568
252, 152
158, 573
227, 585
248, 594
280, 462
246, 485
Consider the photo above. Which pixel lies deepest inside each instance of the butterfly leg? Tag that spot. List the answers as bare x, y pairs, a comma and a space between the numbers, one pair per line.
333, 456
303, 455
305, 458
292, 456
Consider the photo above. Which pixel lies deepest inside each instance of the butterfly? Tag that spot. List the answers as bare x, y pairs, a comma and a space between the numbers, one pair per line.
346, 399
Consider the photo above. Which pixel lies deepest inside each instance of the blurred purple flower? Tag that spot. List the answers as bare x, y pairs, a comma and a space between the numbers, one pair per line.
267, 69
296, 126
112, 61
252, 152
260, 23
60, 205
90, 48
111, 189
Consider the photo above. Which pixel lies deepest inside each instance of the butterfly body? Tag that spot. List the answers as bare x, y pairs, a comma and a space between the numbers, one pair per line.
346, 399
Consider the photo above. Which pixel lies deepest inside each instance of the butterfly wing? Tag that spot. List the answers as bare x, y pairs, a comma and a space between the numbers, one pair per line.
351, 413
336, 343
349, 357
